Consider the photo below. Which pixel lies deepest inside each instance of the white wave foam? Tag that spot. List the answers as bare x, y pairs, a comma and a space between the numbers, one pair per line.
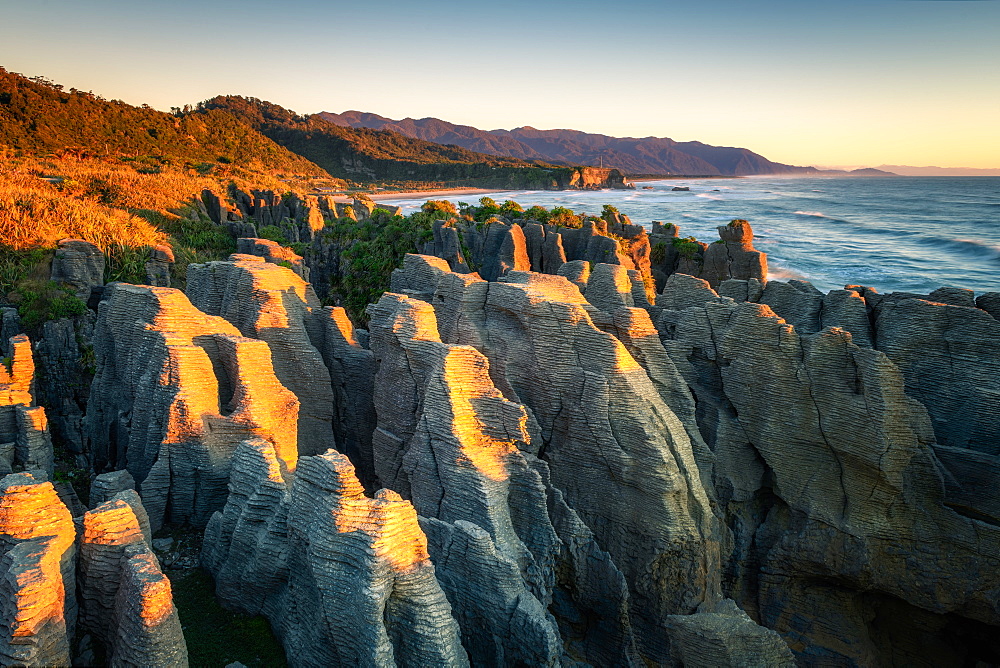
814, 214
707, 196
783, 273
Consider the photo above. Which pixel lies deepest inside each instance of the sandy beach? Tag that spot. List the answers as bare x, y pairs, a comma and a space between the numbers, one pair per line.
421, 194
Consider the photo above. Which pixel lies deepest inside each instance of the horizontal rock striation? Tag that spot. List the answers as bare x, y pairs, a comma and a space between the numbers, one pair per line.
126, 601
452, 446
273, 304
274, 253
37, 579
344, 579
80, 265
176, 390
825, 471
352, 377
25, 442
594, 415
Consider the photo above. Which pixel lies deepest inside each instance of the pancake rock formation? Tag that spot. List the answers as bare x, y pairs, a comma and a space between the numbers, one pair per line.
596, 427
176, 390
828, 473
25, 443
344, 578
273, 304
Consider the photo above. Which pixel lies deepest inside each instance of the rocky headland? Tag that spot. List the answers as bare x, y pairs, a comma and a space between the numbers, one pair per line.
545, 444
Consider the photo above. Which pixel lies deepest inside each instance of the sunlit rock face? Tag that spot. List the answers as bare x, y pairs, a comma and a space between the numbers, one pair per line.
37, 574
273, 252
344, 578
126, 601
273, 304
25, 442
505, 545
176, 390
734, 256
619, 456
824, 469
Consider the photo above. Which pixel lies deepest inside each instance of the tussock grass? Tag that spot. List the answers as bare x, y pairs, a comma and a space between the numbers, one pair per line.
36, 213
43, 200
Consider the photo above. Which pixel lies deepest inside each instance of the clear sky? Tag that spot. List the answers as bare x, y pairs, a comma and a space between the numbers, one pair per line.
850, 82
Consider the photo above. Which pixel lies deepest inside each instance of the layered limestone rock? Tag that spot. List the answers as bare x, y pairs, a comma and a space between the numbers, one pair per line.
25, 442
731, 257
65, 372
950, 361
17, 373
595, 415
243, 212
345, 579
176, 390
271, 303
725, 636
37, 579
274, 253
80, 265
825, 471
352, 377
735, 256
106, 485
10, 326
158, 266
126, 601
454, 451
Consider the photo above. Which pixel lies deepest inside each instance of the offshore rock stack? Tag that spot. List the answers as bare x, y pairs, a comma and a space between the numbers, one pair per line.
551, 447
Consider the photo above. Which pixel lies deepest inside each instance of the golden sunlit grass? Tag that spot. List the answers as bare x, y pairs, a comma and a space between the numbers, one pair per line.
34, 213
43, 200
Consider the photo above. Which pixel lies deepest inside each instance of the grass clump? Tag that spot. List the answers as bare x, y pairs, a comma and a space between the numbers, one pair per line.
658, 253
195, 241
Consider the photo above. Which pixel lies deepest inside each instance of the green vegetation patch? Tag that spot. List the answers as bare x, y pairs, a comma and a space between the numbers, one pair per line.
37, 302
126, 264
16, 265
658, 253
216, 636
687, 247
372, 249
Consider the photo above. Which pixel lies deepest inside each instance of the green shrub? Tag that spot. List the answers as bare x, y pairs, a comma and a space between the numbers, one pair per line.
272, 233
37, 303
541, 214
439, 206
687, 247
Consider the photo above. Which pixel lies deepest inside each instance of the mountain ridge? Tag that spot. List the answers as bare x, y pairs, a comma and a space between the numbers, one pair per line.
634, 155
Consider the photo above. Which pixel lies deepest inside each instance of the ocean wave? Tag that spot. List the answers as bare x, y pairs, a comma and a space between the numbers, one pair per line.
970, 246
814, 214
708, 196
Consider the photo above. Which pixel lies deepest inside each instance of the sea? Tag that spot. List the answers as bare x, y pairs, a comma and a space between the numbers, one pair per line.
911, 234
